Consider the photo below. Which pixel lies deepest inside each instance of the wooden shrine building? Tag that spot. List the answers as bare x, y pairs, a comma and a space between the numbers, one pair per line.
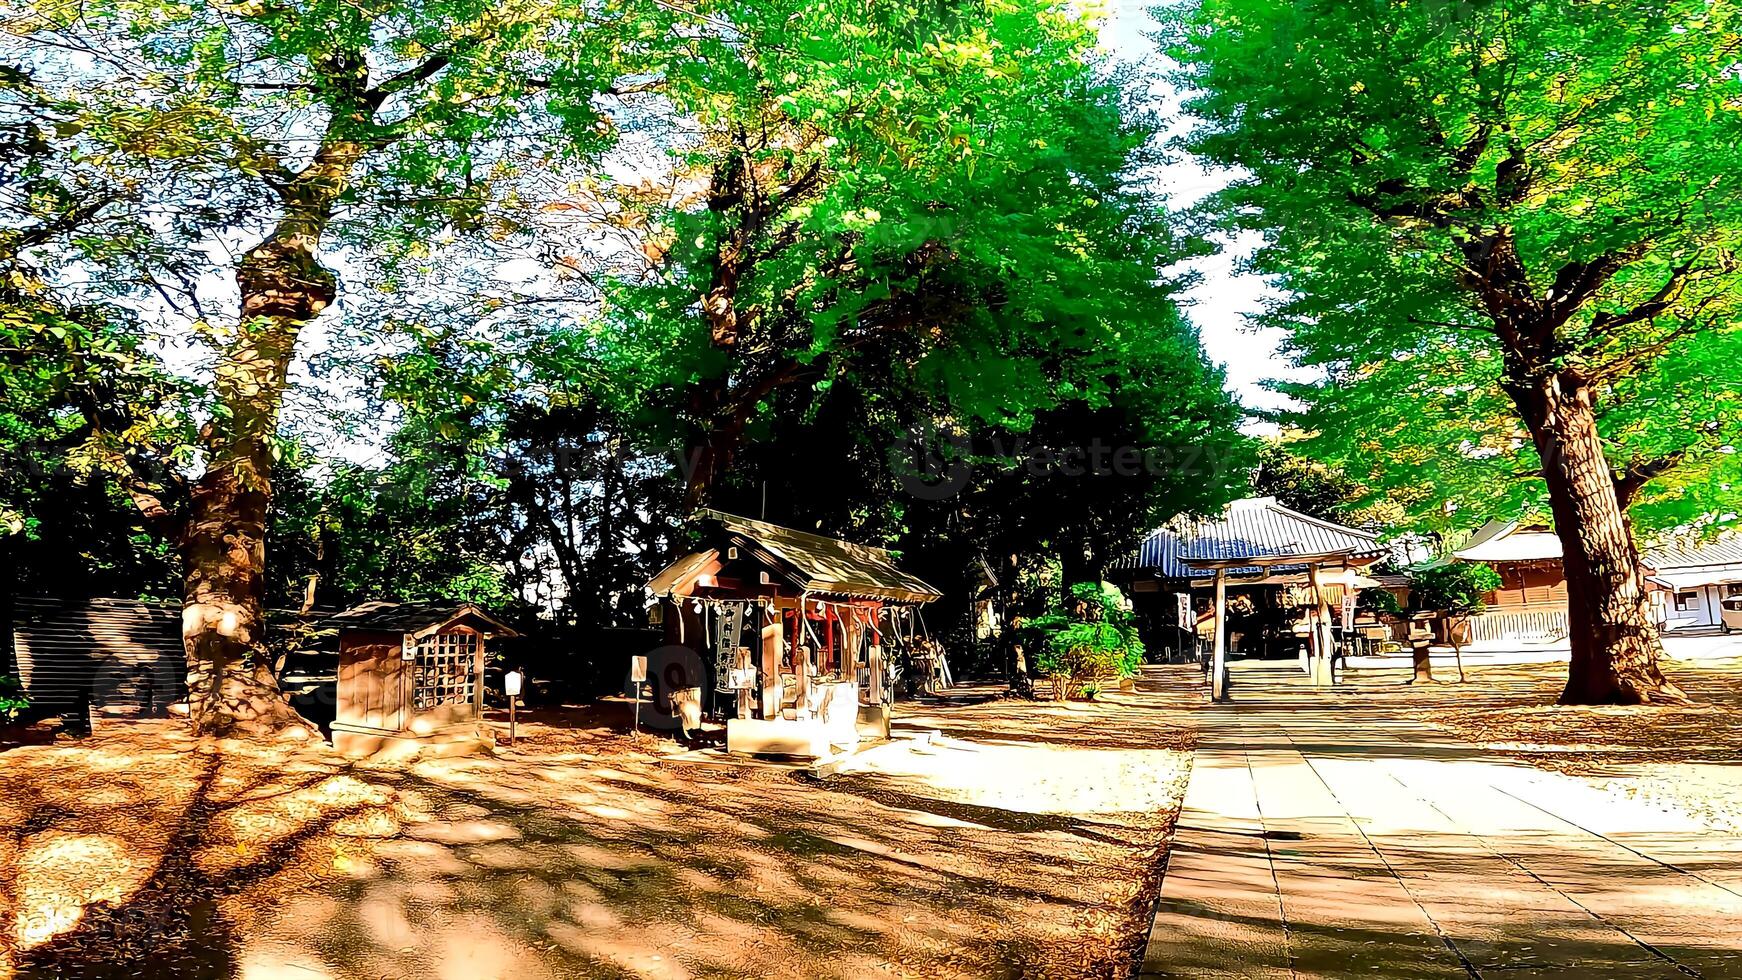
1530, 606
411, 677
794, 631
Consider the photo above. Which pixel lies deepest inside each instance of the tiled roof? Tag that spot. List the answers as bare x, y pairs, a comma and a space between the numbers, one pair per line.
1672, 553
412, 617
1258, 527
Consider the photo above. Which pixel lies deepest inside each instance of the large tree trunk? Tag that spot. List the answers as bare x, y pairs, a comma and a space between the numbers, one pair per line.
231, 687
1615, 647
707, 459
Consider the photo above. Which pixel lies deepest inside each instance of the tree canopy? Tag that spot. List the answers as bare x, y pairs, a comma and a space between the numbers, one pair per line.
475, 300
1381, 146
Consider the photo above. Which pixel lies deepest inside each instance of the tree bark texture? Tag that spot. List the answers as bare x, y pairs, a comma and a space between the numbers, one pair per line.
1615, 645
231, 686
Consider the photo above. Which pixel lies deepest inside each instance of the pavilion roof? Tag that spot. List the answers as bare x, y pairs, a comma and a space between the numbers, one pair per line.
1674, 553
811, 562
1252, 537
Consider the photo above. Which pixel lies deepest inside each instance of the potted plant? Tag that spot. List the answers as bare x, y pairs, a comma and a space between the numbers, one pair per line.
12, 706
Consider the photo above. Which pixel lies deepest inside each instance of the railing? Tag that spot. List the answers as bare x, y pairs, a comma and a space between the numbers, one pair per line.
1539, 626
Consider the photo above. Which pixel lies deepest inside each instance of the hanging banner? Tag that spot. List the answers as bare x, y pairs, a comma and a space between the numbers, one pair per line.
1186, 620
1348, 610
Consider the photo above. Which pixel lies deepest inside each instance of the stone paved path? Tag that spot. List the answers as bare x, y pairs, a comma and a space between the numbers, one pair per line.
1323, 835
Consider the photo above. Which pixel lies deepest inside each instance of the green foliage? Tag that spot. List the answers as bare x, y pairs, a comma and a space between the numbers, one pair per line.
1382, 601
12, 699
811, 226
1456, 588
1413, 165
896, 192
1090, 636
1306, 485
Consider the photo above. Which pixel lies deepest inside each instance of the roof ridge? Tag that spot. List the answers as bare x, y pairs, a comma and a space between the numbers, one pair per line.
1321, 522
883, 554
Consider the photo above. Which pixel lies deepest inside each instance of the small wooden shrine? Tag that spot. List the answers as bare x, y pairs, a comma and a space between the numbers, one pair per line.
411, 678
794, 630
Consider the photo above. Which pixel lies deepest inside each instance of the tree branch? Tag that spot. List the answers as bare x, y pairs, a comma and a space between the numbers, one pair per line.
1605, 323
1638, 473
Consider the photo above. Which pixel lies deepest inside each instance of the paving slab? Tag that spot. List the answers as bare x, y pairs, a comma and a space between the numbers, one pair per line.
1324, 837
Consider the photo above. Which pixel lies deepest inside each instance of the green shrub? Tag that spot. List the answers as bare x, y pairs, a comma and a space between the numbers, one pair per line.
12, 699
1455, 588
1090, 637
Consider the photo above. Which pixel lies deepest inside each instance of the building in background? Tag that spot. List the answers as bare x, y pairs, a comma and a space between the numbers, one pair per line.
1692, 577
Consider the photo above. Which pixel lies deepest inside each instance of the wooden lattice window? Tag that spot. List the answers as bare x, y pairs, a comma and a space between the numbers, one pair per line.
446, 670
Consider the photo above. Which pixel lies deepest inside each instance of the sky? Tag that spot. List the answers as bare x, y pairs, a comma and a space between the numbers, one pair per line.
1221, 302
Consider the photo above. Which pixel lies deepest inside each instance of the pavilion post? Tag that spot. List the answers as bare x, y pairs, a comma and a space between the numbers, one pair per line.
1219, 659
1321, 672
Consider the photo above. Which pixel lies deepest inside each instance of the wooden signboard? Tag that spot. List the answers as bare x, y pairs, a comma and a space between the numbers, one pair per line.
771, 644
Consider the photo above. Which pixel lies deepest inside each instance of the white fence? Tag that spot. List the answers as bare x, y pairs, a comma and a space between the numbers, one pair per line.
1537, 626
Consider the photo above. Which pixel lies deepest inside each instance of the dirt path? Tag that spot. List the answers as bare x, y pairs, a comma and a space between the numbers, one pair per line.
1024, 841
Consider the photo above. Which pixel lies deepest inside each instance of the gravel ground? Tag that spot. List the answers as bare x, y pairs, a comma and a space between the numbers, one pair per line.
1026, 840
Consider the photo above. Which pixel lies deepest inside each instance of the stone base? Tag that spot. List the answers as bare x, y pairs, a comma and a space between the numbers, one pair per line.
359, 741
754, 736
873, 722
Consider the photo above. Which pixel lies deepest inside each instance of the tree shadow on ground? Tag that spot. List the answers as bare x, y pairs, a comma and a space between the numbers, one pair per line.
173, 922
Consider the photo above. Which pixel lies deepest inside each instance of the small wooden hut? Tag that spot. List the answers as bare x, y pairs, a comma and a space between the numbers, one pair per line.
794, 631
411, 677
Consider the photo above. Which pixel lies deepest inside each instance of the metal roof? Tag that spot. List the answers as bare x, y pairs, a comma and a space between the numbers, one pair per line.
1255, 528
110, 652
413, 617
1511, 541
1673, 553
810, 562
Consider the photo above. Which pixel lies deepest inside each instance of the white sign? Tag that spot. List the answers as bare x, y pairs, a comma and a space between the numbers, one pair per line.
637, 669
1186, 619
1348, 610
511, 683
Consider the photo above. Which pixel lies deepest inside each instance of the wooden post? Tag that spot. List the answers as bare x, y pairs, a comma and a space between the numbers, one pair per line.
1321, 629
771, 642
876, 663
742, 660
801, 675
1219, 659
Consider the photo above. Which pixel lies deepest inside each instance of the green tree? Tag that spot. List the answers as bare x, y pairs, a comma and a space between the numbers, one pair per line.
290, 128
1507, 242
949, 190
90, 423
1456, 590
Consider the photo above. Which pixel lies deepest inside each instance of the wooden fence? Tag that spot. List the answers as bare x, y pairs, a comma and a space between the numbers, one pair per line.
1535, 626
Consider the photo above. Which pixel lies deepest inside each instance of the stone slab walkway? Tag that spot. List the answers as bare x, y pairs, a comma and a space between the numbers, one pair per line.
1324, 835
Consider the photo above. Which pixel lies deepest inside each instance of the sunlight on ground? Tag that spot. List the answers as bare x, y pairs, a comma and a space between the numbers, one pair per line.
60, 874
1021, 839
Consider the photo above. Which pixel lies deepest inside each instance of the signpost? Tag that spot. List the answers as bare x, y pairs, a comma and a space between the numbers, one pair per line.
511, 686
637, 677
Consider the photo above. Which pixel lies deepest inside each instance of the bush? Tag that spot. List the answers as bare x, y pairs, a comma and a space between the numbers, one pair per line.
1455, 588
1092, 636
12, 699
